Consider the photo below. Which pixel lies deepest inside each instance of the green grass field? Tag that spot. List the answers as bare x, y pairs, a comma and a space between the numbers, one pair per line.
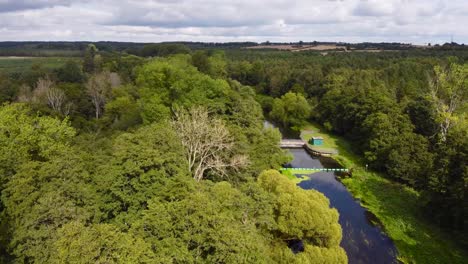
18, 64
398, 207
329, 144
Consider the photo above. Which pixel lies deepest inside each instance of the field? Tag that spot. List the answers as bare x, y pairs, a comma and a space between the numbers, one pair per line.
299, 47
12, 64
398, 207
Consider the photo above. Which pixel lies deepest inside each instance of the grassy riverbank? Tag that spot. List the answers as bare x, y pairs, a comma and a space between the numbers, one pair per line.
398, 207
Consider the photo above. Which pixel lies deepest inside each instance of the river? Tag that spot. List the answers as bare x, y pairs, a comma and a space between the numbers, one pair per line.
363, 241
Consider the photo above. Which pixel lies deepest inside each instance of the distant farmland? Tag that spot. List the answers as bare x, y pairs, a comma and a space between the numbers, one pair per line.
11, 64
331, 47
321, 47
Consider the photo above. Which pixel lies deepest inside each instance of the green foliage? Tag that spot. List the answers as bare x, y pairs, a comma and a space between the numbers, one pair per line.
290, 110
164, 50
142, 165
21, 66
165, 83
70, 72
24, 137
397, 109
319, 255
89, 62
41, 197
99, 243
200, 60
217, 65
8, 89
213, 224
123, 111
115, 190
301, 214
447, 182
400, 209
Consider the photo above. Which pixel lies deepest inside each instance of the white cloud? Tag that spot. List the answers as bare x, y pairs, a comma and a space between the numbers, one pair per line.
418, 21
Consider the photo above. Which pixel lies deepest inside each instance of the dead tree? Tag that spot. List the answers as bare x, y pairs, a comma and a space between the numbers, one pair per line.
207, 143
98, 88
40, 91
56, 99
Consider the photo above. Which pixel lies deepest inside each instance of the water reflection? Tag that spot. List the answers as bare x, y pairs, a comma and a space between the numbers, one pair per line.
363, 241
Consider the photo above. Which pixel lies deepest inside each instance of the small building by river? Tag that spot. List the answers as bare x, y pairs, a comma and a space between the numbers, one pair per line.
316, 141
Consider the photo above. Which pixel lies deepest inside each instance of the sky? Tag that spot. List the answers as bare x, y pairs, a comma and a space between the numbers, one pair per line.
407, 21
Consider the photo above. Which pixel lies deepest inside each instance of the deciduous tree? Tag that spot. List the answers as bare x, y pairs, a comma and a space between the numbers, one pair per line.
449, 91
99, 89
207, 143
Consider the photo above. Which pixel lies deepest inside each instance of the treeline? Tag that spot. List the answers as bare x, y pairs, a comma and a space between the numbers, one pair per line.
77, 49
119, 159
405, 113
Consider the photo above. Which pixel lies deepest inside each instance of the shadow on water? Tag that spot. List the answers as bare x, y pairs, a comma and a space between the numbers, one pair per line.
363, 239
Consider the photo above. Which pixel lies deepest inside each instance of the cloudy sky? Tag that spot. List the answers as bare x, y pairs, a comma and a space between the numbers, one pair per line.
410, 21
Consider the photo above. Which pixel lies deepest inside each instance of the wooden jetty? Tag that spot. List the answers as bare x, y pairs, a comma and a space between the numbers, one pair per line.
292, 143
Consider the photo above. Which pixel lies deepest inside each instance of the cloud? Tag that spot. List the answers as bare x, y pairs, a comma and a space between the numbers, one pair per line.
418, 21
375, 8
18, 5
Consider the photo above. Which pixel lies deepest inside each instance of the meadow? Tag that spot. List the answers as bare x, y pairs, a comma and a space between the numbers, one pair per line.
10, 64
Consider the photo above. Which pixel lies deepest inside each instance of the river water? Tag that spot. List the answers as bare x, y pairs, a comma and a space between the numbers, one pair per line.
363, 241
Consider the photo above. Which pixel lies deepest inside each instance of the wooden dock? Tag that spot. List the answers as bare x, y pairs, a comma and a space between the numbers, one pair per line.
292, 143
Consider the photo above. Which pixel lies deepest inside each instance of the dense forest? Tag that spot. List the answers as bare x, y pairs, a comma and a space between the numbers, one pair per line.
158, 153
406, 113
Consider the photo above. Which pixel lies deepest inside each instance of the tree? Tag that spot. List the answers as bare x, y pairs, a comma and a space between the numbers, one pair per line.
163, 50
89, 59
145, 163
207, 143
99, 88
43, 85
122, 112
25, 137
43, 196
217, 65
291, 109
201, 61
166, 83
46, 93
449, 91
8, 90
303, 215
56, 100
213, 224
99, 243
71, 72
447, 186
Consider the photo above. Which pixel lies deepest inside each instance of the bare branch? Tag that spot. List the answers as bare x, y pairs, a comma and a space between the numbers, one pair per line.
99, 88
207, 142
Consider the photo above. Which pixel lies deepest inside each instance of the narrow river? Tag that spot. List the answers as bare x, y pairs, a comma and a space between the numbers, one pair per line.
363, 241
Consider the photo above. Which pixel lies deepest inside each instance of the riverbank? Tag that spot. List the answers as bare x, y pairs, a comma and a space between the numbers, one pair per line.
398, 208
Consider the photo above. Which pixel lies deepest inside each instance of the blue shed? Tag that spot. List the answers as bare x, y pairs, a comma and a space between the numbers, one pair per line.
316, 141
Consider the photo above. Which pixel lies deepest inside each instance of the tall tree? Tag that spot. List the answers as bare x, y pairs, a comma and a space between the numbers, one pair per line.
88, 61
207, 143
291, 109
449, 90
99, 89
